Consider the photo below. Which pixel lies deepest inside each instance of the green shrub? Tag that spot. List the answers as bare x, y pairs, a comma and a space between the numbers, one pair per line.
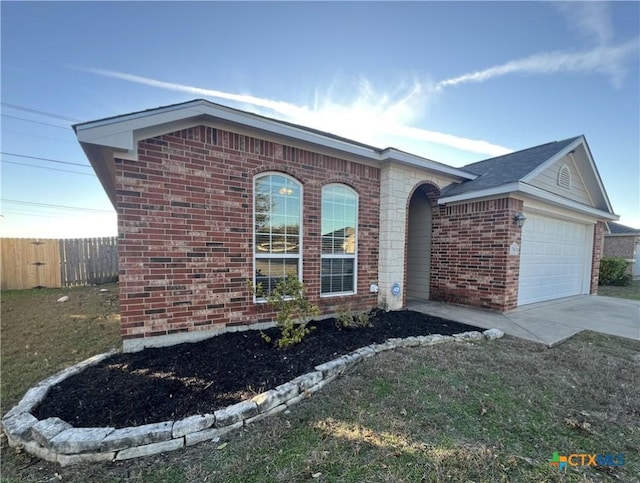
346, 319
613, 271
289, 299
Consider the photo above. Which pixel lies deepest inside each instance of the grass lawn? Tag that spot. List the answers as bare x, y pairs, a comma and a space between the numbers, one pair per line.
481, 411
631, 291
40, 336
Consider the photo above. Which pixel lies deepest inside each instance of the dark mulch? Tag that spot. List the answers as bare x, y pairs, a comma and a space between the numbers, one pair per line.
168, 383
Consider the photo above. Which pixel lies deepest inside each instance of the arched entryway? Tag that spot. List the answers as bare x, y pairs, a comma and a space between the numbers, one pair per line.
418, 255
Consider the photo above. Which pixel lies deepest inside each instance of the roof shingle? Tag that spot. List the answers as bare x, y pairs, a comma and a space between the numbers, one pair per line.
506, 169
618, 229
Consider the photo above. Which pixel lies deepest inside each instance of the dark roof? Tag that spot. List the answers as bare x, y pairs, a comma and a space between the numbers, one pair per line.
618, 229
508, 168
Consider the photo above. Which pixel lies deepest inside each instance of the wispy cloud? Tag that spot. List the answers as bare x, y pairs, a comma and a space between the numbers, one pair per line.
590, 19
370, 116
608, 60
280, 107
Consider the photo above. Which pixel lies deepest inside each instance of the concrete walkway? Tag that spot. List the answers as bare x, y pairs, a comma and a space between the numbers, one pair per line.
549, 322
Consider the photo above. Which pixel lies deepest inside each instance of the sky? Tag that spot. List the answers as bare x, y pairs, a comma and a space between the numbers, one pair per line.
455, 82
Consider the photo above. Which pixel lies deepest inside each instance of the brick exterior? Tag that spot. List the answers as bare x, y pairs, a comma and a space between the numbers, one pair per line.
470, 261
620, 246
624, 246
185, 223
598, 242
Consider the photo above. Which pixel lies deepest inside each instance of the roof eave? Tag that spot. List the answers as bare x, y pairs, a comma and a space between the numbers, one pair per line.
519, 187
121, 133
392, 154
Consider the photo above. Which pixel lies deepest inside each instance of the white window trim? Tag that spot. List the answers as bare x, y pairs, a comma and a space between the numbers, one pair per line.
299, 255
355, 252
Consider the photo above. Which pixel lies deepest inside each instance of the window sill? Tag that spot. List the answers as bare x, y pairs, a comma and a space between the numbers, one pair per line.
336, 294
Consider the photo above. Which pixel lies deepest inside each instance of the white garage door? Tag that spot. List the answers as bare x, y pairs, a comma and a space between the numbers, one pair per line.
555, 259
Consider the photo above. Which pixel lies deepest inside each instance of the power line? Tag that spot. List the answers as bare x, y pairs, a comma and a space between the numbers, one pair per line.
58, 216
42, 113
41, 215
46, 167
38, 136
31, 203
44, 159
36, 122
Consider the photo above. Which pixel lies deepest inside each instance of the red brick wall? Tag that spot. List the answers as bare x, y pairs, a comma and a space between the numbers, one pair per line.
185, 222
598, 243
470, 261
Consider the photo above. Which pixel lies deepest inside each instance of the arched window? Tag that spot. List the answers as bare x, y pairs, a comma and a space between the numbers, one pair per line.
339, 240
277, 229
564, 177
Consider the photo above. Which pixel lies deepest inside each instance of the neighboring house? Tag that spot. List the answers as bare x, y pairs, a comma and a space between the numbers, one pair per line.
623, 241
209, 197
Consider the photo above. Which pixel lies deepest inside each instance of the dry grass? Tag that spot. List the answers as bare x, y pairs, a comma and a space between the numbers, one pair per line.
41, 336
482, 412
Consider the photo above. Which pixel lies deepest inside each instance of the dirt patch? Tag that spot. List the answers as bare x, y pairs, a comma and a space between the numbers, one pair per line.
168, 383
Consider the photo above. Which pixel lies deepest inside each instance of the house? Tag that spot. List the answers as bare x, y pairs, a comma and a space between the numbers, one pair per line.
209, 197
623, 241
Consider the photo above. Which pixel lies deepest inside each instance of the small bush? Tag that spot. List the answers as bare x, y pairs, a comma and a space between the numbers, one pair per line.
346, 319
289, 299
613, 271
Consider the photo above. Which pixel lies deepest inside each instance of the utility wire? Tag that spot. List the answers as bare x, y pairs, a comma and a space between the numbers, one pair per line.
42, 215
44, 159
37, 136
42, 113
31, 203
45, 167
36, 122
6, 214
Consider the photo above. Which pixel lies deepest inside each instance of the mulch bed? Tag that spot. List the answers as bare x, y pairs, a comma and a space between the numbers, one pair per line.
170, 383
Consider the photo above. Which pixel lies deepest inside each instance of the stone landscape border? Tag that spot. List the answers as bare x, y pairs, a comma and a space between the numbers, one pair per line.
55, 440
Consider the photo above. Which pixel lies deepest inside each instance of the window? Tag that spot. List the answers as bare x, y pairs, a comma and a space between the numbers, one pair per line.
339, 240
277, 229
564, 177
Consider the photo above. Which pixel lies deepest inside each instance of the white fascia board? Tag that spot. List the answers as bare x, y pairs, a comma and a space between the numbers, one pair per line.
391, 154
534, 192
122, 133
597, 175
472, 195
119, 132
559, 155
275, 127
565, 202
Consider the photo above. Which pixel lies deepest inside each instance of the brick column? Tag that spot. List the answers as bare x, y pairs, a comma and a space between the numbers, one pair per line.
598, 242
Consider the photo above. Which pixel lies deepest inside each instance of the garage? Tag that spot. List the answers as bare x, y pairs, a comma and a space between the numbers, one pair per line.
555, 259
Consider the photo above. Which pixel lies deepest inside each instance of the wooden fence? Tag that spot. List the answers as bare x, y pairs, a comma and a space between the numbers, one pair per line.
31, 263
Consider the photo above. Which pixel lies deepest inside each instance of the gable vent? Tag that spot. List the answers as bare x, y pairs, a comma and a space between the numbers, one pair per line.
564, 177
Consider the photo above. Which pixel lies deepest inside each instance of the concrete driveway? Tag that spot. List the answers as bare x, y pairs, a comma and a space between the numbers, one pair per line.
550, 322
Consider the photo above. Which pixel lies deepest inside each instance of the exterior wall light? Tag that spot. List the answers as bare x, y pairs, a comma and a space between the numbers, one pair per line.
519, 219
